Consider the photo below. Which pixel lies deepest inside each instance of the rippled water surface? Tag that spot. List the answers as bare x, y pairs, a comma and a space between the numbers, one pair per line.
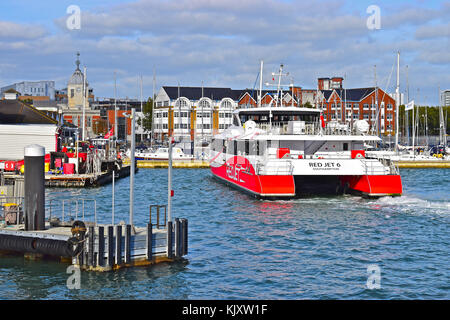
242, 248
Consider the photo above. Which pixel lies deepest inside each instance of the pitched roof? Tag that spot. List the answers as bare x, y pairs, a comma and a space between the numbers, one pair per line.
356, 94
17, 112
195, 93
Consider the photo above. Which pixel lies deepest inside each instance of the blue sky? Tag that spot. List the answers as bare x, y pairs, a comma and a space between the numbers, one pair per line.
221, 43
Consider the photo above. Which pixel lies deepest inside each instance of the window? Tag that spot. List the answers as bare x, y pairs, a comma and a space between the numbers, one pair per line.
181, 103
389, 106
366, 106
226, 104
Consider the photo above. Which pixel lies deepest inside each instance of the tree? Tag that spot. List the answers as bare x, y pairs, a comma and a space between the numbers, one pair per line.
147, 110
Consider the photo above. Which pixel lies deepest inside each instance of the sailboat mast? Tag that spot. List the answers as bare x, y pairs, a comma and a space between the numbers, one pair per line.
397, 107
407, 111
260, 83
115, 108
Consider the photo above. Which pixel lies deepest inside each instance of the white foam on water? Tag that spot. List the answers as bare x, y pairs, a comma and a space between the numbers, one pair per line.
412, 204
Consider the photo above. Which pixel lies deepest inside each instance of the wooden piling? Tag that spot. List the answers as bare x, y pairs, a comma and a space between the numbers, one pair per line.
118, 252
101, 246
149, 242
128, 243
169, 240
110, 261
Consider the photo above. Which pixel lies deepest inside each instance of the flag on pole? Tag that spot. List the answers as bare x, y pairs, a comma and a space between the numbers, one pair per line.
110, 133
322, 120
409, 106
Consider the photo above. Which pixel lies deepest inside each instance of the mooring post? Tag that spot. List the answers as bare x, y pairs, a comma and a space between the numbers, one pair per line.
81, 258
34, 158
128, 243
101, 246
149, 242
118, 245
110, 261
177, 237
169, 239
91, 261
184, 228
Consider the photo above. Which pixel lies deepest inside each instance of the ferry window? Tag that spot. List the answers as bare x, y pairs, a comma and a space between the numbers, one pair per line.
246, 147
345, 146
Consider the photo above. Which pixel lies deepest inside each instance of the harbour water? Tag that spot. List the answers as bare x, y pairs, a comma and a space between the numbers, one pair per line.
243, 248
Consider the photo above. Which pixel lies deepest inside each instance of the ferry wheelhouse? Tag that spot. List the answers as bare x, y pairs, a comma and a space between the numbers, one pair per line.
285, 152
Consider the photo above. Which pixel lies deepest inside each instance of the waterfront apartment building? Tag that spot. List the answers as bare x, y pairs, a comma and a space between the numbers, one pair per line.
195, 113
445, 98
370, 104
33, 88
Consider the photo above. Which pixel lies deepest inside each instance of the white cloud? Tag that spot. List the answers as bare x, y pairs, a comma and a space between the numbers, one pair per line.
15, 31
221, 43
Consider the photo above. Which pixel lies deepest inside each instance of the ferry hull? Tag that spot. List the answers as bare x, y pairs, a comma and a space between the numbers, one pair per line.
239, 173
373, 185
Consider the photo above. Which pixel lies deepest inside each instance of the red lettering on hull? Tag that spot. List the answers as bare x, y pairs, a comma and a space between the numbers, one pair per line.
239, 172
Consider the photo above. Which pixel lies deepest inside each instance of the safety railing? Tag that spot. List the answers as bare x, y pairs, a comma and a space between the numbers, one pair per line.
73, 208
11, 210
158, 215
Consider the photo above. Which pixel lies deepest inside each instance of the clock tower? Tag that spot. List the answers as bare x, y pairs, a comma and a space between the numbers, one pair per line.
75, 90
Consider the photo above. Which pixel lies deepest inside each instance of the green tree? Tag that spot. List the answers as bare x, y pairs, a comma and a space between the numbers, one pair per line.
147, 110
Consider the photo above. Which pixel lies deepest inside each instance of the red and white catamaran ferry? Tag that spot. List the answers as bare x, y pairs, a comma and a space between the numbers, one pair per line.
285, 152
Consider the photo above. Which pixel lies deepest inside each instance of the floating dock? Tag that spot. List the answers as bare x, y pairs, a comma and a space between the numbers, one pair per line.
194, 164
77, 180
100, 247
26, 228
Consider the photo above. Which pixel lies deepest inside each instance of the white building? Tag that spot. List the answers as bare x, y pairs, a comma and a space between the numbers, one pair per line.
193, 114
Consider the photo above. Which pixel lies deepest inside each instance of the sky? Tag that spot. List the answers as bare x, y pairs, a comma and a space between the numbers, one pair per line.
221, 43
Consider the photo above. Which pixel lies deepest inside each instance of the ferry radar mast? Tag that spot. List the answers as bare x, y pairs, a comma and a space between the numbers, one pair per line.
279, 87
